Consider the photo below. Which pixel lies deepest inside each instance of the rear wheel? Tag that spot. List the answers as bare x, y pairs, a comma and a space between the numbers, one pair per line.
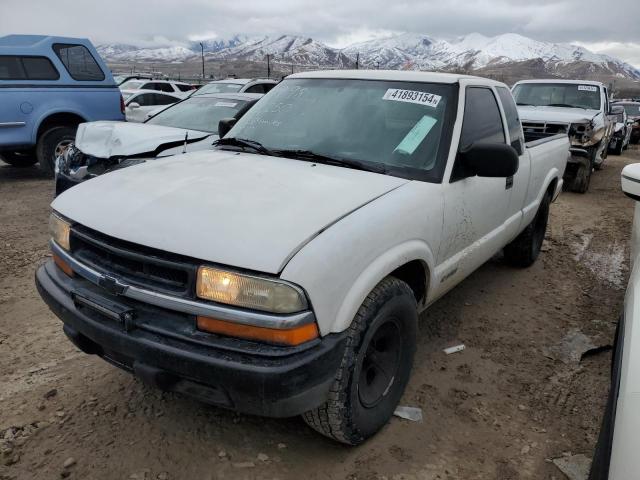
375, 367
618, 148
581, 179
524, 250
20, 159
51, 144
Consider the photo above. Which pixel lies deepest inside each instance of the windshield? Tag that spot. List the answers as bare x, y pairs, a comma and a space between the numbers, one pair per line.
219, 87
198, 113
632, 109
570, 95
404, 127
131, 85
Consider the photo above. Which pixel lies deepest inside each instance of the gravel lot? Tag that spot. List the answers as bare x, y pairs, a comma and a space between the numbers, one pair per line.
516, 398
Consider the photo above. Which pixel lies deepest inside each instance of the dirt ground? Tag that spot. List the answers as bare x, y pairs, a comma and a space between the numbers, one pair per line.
501, 409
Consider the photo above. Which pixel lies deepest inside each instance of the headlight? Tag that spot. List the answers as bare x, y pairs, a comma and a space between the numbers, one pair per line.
59, 230
249, 291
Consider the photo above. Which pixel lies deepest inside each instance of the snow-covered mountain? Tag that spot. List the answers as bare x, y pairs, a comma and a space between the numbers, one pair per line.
285, 48
403, 51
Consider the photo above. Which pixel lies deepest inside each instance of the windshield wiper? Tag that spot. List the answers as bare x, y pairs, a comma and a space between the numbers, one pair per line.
566, 105
243, 143
310, 156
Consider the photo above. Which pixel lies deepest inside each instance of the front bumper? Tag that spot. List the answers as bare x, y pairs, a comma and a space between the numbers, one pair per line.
244, 376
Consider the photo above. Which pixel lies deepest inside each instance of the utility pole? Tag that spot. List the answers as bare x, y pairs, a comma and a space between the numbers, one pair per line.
268, 66
202, 55
358, 61
377, 65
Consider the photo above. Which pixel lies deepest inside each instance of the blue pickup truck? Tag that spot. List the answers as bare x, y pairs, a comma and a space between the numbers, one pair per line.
48, 86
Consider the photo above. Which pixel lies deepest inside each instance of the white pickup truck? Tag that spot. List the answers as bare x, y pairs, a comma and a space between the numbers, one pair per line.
577, 108
283, 274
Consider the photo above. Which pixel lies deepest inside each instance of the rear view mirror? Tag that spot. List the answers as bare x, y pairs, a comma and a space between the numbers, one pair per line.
225, 125
630, 180
497, 160
133, 105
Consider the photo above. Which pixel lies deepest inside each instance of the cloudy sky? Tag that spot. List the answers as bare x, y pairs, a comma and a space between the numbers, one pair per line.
603, 26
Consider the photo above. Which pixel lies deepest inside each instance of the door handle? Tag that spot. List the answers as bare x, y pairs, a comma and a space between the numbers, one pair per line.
509, 183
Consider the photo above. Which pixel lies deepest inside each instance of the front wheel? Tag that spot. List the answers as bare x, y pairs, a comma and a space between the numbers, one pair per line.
375, 367
524, 250
51, 144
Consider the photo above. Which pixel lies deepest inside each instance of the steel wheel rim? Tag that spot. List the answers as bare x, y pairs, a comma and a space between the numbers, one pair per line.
380, 364
61, 147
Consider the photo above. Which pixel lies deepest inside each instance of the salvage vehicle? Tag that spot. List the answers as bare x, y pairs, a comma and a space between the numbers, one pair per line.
615, 456
577, 108
238, 85
283, 273
632, 109
48, 86
190, 125
621, 131
179, 88
139, 103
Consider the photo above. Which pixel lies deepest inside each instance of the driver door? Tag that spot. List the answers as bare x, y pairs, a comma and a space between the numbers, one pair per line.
475, 207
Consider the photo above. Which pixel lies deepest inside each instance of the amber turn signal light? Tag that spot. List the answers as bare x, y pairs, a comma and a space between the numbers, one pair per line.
290, 336
62, 265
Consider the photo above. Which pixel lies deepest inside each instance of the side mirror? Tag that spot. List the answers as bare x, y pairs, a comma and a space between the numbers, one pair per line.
225, 125
133, 105
497, 160
630, 179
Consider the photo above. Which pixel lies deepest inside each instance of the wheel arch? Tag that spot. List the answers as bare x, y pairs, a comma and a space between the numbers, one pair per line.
410, 262
60, 118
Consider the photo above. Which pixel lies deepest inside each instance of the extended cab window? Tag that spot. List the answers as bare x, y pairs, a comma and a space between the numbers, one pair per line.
513, 120
14, 67
401, 128
79, 62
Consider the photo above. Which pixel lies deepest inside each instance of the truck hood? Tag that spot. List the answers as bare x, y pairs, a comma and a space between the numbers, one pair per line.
114, 139
555, 114
237, 209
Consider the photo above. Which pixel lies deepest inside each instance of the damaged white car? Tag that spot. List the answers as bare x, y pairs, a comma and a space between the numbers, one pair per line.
187, 126
578, 108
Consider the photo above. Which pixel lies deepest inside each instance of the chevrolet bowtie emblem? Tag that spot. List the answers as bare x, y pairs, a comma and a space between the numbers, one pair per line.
112, 285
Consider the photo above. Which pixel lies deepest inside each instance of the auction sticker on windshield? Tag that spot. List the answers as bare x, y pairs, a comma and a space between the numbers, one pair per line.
588, 88
412, 96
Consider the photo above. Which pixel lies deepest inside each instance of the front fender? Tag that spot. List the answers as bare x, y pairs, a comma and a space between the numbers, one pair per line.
343, 264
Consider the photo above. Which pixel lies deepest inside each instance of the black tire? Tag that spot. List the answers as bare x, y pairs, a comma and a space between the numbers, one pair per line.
20, 159
50, 144
364, 395
603, 155
617, 150
579, 183
524, 250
